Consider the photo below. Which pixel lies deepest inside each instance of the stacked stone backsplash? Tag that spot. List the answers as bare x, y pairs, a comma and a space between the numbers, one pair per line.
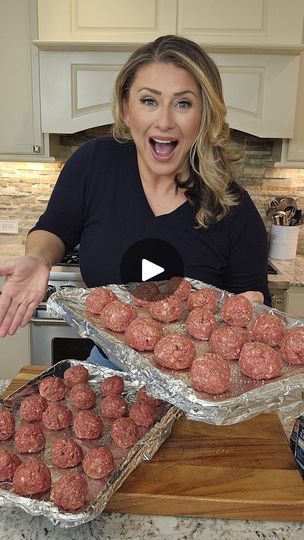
26, 187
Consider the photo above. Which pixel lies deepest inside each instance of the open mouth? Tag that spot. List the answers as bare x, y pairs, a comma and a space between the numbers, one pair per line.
163, 148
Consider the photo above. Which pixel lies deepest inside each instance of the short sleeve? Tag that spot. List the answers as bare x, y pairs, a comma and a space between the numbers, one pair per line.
65, 212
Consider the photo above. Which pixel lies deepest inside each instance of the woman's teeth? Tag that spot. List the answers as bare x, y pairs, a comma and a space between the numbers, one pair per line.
163, 148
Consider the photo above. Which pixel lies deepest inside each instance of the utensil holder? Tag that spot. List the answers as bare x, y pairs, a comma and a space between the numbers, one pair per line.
283, 242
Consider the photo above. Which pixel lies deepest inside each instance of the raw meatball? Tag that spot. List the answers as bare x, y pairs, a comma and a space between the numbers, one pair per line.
237, 310
200, 323
52, 388
113, 406
66, 453
57, 417
143, 334
31, 477
292, 346
259, 361
227, 341
87, 425
8, 464
82, 396
179, 287
167, 310
97, 299
203, 298
76, 375
117, 315
29, 439
125, 432
143, 396
210, 373
112, 385
174, 352
142, 413
268, 329
7, 425
98, 463
144, 293
71, 491
32, 407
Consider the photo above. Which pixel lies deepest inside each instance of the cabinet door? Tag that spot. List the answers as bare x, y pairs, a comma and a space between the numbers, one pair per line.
14, 352
295, 302
241, 22
293, 149
19, 106
100, 20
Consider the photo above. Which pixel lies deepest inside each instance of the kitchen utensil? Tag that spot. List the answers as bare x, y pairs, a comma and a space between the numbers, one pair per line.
279, 218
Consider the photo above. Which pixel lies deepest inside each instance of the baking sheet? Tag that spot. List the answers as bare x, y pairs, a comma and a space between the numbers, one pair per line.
126, 459
246, 397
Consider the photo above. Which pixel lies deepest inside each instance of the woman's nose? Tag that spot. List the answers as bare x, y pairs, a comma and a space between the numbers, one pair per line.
165, 120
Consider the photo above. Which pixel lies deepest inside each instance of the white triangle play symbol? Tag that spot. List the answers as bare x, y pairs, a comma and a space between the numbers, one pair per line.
149, 269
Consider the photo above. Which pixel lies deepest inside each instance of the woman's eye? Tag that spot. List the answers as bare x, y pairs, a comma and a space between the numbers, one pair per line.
184, 104
148, 101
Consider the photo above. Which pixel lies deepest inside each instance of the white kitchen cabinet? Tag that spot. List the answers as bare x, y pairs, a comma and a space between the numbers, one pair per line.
241, 22
292, 154
14, 353
100, 20
295, 301
20, 130
237, 22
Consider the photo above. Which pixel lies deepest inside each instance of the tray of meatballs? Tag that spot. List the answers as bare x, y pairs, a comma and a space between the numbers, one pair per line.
71, 436
212, 354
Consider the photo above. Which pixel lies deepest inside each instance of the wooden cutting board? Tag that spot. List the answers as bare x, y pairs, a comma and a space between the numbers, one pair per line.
243, 471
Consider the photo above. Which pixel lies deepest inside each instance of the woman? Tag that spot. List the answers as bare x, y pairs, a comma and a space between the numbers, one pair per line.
166, 174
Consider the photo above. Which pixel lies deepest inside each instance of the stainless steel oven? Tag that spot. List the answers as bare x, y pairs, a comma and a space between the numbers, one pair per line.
52, 339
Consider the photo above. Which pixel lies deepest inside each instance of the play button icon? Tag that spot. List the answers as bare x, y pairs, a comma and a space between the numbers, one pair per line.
150, 259
150, 270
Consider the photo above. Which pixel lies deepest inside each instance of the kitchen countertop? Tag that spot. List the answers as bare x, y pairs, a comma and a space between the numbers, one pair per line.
16, 524
292, 271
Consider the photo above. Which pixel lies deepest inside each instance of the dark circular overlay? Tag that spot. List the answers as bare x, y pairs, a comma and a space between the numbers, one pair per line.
157, 252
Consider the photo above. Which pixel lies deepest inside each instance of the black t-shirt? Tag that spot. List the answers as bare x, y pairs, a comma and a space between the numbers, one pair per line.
99, 203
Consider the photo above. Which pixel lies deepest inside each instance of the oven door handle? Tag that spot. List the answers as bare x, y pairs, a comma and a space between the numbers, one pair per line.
50, 322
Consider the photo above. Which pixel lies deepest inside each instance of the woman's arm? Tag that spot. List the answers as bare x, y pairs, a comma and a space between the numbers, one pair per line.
247, 265
26, 280
45, 247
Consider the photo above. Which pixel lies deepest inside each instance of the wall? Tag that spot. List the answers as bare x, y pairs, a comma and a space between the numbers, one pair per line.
25, 187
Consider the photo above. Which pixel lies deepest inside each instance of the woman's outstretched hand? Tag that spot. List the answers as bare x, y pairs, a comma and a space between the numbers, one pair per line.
24, 287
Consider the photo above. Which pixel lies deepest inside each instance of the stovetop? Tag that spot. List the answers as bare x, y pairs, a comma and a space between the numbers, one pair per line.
71, 258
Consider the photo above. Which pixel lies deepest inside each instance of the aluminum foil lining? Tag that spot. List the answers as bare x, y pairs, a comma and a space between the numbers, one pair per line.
126, 460
246, 397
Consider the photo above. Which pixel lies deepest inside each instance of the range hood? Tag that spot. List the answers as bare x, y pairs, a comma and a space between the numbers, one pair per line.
76, 87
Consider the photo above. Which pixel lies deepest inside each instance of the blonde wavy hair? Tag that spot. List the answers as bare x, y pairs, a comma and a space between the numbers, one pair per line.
208, 187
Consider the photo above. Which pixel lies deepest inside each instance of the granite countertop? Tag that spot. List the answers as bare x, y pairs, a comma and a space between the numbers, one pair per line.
292, 271
15, 524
